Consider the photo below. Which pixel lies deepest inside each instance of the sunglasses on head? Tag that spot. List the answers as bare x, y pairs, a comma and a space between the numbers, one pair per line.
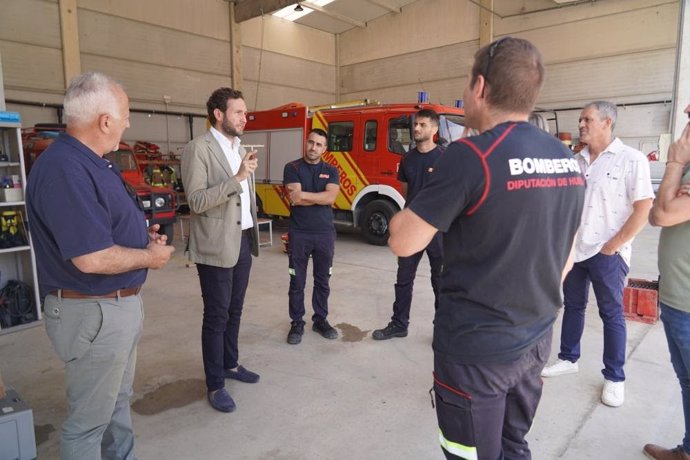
492, 52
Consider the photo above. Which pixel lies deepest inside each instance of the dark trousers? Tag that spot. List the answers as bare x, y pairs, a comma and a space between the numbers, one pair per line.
607, 277
320, 246
484, 411
407, 270
223, 290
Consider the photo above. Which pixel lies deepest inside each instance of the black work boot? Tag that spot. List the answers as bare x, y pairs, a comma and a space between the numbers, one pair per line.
295, 335
390, 331
325, 329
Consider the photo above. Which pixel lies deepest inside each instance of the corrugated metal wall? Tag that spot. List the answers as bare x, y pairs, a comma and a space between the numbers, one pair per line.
623, 50
619, 50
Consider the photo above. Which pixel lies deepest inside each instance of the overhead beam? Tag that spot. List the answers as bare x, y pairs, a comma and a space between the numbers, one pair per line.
235, 50
486, 22
248, 9
385, 5
333, 15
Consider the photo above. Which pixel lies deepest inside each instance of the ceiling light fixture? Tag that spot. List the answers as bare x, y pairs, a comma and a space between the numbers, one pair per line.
299, 7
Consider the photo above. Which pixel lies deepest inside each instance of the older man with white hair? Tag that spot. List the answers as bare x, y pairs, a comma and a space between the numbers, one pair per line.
93, 251
617, 202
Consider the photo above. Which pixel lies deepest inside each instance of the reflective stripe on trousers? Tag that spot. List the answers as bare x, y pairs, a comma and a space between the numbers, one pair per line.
455, 448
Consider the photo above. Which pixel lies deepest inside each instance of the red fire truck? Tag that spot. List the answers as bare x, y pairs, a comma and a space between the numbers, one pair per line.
365, 142
159, 203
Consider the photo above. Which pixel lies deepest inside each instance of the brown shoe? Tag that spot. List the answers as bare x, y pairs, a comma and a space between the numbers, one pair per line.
659, 453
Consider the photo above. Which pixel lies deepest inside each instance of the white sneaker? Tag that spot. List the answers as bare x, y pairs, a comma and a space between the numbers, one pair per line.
560, 367
613, 393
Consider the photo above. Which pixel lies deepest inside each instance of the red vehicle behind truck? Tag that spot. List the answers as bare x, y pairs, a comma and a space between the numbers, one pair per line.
159, 203
365, 142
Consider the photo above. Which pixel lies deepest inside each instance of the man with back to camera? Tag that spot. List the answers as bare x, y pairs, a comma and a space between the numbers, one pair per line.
513, 202
671, 210
223, 236
617, 202
312, 186
415, 170
92, 252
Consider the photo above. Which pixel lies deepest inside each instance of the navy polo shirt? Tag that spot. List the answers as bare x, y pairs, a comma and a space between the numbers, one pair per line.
314, 178
415, 170
509, 202
77, 204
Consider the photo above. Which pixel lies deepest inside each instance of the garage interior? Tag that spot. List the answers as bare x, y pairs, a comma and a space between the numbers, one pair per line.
352, 398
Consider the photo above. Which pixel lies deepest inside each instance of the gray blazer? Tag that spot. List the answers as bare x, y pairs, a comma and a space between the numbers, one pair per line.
213, 195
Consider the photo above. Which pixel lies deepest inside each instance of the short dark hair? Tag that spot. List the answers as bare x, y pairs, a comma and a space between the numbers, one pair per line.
319, 132
219, 100
430, 114
513, 69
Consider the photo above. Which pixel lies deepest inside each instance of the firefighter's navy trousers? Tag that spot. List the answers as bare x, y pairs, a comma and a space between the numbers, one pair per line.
320, 246
407, 270
484, 411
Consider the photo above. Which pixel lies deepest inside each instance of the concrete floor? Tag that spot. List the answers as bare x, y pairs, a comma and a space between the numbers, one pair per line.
352, 398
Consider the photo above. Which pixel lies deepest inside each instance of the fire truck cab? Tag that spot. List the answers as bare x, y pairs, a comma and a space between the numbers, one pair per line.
159, 202
366, 142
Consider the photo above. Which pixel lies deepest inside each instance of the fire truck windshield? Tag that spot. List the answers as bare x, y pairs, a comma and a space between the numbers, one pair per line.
124, 160
451, 127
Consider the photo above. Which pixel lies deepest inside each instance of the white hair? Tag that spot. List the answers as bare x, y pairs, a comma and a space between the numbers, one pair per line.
90, 95
606, 110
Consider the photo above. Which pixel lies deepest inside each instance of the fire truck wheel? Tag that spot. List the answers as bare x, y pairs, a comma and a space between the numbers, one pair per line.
169, 231
377, 217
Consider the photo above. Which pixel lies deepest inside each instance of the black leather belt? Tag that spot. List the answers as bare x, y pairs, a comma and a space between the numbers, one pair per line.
69, 294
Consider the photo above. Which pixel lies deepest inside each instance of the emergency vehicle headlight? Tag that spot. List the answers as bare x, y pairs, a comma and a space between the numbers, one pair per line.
159, 202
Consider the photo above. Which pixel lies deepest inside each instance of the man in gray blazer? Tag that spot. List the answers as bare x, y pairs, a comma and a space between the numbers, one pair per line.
216, 172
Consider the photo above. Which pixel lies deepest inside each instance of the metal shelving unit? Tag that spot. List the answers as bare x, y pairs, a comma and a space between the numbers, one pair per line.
17, 262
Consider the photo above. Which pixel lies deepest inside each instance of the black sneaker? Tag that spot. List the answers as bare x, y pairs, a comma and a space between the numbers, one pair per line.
390, 331
325, 329
295, 335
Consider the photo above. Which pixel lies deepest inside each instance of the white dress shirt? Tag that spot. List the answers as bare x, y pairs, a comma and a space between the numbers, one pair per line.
232, 153
615, 180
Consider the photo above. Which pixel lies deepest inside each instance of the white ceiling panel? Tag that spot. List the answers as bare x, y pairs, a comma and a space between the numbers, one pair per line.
342, 15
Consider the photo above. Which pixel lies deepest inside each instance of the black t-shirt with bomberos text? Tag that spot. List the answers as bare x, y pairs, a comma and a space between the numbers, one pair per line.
509, 202
313, 178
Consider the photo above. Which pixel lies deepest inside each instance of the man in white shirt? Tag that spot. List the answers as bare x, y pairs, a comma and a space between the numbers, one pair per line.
617, 202
223, 236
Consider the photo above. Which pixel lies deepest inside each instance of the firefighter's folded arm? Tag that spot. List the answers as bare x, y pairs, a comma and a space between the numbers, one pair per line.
409, 233
326, 198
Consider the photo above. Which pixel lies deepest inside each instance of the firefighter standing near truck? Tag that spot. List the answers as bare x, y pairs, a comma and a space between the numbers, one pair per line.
311, 185
416, 168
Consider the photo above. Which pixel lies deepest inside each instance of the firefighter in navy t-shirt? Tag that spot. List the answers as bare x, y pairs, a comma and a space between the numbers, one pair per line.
311, 186
509, 202
414, 172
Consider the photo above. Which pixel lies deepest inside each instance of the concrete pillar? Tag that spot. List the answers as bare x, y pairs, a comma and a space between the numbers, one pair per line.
69, 28
2, 88
337, 69
681, 93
